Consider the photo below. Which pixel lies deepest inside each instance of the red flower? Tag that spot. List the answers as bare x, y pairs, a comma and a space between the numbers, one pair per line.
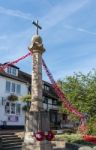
83, 128
39, 136
49, 136
90, 138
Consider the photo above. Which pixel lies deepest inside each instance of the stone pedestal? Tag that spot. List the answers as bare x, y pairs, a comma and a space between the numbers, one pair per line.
36, 121
32, 144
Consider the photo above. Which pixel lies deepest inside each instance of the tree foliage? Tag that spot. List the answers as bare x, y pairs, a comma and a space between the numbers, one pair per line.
27, 100
80, 89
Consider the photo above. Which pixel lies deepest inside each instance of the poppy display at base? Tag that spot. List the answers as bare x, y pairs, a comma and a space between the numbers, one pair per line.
49, 136
40, 136
90, 138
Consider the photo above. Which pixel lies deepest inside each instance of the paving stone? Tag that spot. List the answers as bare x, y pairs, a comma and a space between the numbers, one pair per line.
94, 148
85, 148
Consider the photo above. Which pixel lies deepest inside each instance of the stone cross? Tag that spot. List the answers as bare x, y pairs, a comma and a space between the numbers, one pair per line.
37, 25
38, 118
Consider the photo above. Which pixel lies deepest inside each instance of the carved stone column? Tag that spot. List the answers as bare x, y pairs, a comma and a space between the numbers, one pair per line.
37, 119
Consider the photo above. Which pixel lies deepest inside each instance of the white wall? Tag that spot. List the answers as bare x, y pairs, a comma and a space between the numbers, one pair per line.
3, 93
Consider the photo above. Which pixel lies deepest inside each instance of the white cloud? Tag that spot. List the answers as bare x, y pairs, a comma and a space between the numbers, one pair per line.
15, 13
61, 12
85, 31
79, 29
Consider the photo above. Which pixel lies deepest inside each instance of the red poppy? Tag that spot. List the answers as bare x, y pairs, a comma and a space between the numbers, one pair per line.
49, 136
89, 138
39, 136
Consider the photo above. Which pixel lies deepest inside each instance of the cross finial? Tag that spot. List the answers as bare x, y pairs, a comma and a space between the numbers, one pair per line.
37, 25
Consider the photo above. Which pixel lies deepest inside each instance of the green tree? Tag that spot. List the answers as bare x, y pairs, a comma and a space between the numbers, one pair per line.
80, 90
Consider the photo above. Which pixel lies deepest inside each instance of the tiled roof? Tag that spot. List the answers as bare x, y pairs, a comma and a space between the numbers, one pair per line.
22, 76
26, 78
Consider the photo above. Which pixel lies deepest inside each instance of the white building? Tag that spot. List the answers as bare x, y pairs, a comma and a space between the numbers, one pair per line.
15, 82
12, 82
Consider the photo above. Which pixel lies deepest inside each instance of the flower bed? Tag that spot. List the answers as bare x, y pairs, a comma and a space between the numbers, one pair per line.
76, 138
89, 138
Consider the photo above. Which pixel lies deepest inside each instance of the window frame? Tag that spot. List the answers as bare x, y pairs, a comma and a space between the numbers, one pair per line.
46, 88
12, 71
13, 87
18, 92
8, 90
15, 108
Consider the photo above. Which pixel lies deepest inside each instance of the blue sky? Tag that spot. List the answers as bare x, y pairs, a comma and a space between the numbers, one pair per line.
69, 33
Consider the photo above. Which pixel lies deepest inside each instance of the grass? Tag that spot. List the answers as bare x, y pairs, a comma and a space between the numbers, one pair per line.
74, 138
68, 137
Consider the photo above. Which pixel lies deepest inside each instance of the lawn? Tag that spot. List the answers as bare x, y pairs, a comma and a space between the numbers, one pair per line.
73, 138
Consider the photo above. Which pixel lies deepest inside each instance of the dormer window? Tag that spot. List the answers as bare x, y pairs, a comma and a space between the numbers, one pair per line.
9, 70
46, 88
12, 71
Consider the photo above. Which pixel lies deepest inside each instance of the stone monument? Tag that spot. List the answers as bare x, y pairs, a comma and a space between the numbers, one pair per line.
37, 119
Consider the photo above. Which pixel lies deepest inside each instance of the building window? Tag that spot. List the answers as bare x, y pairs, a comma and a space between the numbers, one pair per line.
11, 70
18, 90
29, 89
7, 108
18, 109
13, 87
53, 116
50, 101
46, 88
8, 84
54, 102
14, 71
12, 108
45, 100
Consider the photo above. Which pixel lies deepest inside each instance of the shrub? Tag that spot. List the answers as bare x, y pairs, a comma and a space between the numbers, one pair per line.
12, 97
92, 126
25, 108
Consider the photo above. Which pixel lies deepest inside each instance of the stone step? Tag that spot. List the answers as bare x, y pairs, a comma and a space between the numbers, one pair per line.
9, 131
12, 140
9, 137
60, 149
6, 133
12, 143
14, 147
